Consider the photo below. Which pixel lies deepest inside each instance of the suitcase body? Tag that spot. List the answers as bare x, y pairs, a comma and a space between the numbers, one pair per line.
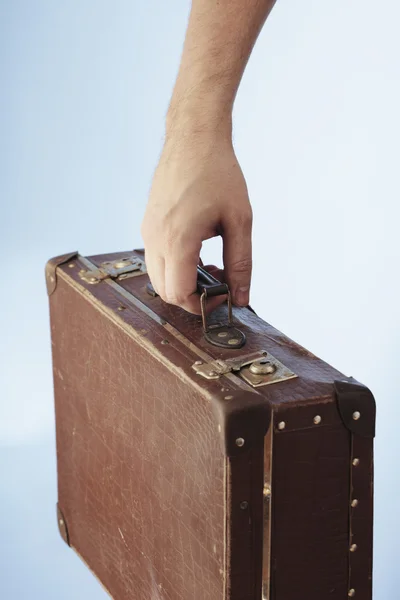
189, 470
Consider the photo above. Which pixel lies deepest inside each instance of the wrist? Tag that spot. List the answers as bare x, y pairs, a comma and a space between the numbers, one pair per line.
198, 112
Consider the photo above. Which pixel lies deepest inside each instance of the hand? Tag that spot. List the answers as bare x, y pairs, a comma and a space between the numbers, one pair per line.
198, 192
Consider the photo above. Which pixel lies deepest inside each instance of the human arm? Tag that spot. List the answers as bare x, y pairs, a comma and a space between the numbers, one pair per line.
198, 189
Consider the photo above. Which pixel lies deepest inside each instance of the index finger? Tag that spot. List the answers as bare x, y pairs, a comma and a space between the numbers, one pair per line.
181, 279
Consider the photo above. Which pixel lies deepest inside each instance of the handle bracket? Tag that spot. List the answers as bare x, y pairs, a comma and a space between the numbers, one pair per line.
222, 335
219, 334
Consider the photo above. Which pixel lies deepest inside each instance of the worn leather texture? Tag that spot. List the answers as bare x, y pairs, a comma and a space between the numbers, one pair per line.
141, 472
158, 497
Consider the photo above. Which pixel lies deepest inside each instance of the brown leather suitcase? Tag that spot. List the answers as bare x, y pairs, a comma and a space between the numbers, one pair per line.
203, 459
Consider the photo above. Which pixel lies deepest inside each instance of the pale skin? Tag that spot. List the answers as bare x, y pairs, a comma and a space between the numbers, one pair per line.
198, 190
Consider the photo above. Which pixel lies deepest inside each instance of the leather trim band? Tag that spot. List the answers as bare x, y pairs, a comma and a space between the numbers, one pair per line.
361, 518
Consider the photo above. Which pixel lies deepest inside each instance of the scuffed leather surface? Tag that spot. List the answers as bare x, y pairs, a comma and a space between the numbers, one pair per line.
141, 471
310, 464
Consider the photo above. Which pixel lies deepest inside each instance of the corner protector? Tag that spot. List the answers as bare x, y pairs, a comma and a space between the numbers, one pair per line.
357, 407
51, 268
243, 420
62, 526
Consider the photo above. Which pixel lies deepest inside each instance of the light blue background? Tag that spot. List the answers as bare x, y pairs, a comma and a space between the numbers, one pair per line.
84, 89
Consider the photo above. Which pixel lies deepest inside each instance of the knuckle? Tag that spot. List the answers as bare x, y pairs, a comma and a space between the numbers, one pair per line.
246, 218
169, 298
242, 266
176, 298
240, 222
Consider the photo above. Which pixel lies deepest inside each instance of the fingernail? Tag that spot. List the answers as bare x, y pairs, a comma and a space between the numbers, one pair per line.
242, 296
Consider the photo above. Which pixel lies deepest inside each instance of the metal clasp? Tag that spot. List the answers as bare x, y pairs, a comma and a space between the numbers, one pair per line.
257, 369
224, 336
122, 268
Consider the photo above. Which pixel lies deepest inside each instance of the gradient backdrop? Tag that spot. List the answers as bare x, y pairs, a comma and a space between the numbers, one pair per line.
84, 88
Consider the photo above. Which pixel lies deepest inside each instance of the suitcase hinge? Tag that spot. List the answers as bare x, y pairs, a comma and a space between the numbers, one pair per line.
257, 369
122, 268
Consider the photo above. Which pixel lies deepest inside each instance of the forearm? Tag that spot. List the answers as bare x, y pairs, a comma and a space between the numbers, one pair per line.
219, 40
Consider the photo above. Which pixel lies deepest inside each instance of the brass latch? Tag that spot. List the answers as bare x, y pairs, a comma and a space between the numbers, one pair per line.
257, 369
122, 268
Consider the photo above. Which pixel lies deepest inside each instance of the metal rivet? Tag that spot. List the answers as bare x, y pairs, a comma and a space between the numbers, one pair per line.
281, 425
356, 462
92, 279
222, 334
212, 373
266, 491
164, 342
354, 503
317, 419
356, 415
71, 265
351, 593
61, 522
240, 442
228, 397
244, 505
262, 367
353, 547
257, 381
121, 307
233, 341
198, 362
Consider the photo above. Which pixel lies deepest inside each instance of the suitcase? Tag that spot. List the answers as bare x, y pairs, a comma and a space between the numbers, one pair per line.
206, 458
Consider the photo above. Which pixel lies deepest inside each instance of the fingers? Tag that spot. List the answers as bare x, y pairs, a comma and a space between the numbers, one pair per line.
181, 260
155, 266
175, 281
238, 255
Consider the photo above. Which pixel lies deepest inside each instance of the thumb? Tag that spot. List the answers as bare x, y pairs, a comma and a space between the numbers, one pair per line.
237, 256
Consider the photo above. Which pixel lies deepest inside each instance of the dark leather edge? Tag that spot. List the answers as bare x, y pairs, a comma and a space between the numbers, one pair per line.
51, 270
245, 520
243, 420
62, 525
361, 517
353, 397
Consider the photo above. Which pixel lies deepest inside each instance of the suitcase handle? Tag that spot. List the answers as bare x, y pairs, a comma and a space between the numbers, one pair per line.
209, 287
206, 282
224, 336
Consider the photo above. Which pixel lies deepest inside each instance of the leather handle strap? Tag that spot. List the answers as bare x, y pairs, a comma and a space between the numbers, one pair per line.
209, 284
